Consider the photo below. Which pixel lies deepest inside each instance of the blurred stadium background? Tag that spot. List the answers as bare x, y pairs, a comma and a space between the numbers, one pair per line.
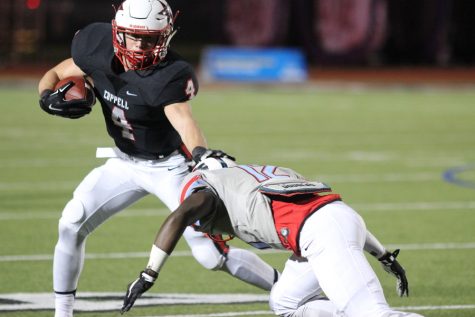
384, 113
336, 33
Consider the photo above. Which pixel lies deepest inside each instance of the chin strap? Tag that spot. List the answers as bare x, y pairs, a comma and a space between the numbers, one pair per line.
219, 237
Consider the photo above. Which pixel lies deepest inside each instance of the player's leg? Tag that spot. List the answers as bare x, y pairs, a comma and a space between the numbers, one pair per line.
298, 294
105, 191
242, 264
318, 308
250, 268
332, 240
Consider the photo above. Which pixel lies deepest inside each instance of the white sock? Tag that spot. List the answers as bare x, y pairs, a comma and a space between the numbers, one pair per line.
63, 305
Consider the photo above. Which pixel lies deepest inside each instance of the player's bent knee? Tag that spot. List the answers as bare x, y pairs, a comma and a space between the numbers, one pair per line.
208, 257
204, 250
73, 212
279, 303
72, 217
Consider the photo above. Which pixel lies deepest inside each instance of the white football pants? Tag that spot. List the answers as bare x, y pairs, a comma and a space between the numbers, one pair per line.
117, 184
332, 241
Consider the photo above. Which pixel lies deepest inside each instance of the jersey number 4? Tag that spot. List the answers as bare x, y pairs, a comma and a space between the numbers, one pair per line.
118, 117
190, 90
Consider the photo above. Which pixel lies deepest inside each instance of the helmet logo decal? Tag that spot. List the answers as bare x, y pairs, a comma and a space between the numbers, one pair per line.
134, 26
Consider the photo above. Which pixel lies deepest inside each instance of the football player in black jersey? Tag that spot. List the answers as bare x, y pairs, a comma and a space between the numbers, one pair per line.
144, 90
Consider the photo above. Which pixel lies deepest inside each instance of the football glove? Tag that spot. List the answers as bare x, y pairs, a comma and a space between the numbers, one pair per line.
392, 266
135, 289
53, 102
200, 153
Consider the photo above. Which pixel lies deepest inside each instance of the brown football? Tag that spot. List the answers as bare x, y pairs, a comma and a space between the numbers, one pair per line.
80, 90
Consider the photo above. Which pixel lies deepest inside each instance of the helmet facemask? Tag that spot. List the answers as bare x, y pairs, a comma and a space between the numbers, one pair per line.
141, 33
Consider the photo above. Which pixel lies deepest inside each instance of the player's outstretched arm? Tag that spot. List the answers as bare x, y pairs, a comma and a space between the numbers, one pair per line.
388, 262
181, 118
193, 208
373, 246
391, 265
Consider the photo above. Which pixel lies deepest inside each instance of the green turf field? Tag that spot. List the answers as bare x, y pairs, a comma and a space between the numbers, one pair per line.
384, 150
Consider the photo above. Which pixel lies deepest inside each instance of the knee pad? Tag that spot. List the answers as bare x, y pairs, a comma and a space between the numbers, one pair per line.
72, 217
208, 256
73, 212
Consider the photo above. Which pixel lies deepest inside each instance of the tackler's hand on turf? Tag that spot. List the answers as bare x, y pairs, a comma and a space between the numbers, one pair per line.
200, 153
135, 289
54, 103
392, 266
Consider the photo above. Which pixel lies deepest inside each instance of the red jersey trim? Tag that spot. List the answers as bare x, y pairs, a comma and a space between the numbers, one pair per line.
184, 150
185, 191
290, 216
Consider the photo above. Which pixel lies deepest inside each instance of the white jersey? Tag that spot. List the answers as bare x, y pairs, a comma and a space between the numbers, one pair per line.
249, 210
276, 206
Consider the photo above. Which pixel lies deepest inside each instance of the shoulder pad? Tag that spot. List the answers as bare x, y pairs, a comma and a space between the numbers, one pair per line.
92, 49
291, 188
168, 83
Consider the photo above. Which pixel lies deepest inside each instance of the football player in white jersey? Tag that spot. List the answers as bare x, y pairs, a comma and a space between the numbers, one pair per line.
269, 206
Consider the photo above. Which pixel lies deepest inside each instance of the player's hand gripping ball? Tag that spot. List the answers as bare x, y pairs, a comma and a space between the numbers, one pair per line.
72, 98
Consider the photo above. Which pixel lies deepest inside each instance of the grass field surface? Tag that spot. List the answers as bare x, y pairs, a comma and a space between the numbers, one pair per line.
403, 158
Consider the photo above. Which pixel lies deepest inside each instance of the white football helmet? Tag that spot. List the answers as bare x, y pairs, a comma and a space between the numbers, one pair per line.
212, 163
144, 20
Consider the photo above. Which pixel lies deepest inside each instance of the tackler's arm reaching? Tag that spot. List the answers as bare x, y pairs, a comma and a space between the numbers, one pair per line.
388, 262
193, 208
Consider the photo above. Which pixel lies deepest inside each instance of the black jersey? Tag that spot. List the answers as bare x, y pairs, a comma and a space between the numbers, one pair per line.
133, 102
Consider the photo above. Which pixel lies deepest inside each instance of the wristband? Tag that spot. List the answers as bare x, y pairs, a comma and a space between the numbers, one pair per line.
149, 277
157, 259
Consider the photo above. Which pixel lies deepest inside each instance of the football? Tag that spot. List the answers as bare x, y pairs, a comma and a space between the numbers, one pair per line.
80, 90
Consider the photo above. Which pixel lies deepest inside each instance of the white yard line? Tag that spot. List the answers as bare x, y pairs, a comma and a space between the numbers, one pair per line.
112, 301
443, 307
344, 178
264, 312
226, 314
129, 255
33, 215
150, 212
432, 246
412, 206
